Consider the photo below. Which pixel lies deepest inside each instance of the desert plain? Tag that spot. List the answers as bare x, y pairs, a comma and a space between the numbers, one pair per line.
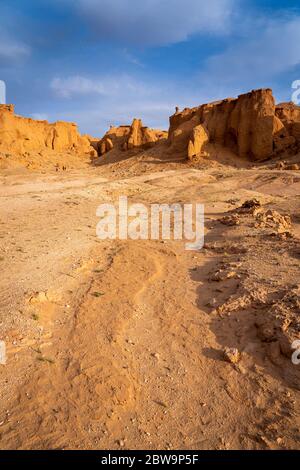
142, 344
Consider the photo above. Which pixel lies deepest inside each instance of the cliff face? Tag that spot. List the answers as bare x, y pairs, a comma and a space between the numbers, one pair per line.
289, 115
19, 135
115, 138
130, 137
140, 136
250, 125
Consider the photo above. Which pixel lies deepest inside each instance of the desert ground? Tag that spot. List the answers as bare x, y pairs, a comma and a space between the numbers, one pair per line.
123, 344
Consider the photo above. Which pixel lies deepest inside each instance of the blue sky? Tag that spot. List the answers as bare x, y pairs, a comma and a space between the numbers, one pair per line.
102, 62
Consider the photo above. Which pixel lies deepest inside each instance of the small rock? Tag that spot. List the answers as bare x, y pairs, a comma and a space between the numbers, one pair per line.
212, 303
280, 165
231, 275
232, 355
294, 166
230, 220
222, 275
129, 341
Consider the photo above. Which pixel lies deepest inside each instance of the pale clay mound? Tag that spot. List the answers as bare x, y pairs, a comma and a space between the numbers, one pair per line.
142, 344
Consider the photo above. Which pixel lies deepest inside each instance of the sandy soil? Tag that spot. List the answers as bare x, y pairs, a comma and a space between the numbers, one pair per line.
120, 344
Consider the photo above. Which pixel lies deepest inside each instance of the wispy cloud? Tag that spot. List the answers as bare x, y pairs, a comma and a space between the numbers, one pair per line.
97, 76
13, 50
111, 85
40, 116
76, 85
131, 58
270, 48
155, 22
96, 118
100, 101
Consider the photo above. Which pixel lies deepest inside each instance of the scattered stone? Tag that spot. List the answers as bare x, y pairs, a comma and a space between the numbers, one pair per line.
230, 220
161, 403
294, 166
250, 206
129, 341
223, 275
232, 202
121, 442
212, 303
272, 219
237, 249
232, 355
97, 294
280, 165
156, 355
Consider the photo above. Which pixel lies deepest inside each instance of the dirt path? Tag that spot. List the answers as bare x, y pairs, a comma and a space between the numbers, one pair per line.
119, 344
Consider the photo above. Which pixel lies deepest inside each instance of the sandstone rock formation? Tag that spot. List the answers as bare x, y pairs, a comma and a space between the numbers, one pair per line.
289, 115
106, 145
140, 136
19, 135
251, 126
115, 138
130, 137
199, 138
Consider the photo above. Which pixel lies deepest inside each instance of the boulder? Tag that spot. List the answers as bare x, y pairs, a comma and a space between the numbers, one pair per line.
289, 115
281, 137
180, 136
105, 145
200, 137
115, 138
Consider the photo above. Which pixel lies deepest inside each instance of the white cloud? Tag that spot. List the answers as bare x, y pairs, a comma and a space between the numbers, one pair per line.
12, 50
155, 22
76, 85
95, 118
131, 58
272, 48
40, 116
257, 53
12, 45
104, 86
100, 101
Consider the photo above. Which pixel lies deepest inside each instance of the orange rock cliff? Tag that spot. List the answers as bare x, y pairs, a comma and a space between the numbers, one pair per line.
130, 137
251, 126
19, 135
